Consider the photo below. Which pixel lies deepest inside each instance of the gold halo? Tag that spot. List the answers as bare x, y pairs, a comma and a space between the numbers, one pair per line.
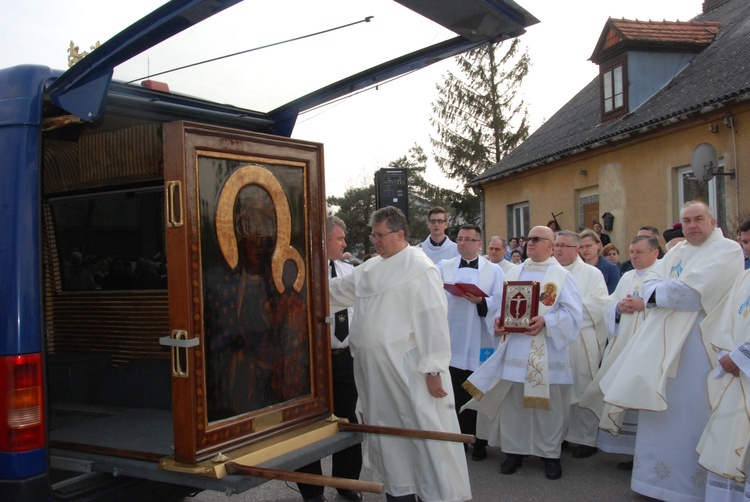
257, 175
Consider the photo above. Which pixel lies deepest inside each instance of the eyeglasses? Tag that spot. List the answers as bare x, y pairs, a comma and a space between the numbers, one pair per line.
467, 239
436, 222
560, 246
536, 239
378, 236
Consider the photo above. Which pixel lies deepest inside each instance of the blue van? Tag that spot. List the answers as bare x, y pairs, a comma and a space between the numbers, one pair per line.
143, 230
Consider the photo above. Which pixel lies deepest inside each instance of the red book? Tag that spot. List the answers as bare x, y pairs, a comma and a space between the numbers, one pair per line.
461, 288
520, 304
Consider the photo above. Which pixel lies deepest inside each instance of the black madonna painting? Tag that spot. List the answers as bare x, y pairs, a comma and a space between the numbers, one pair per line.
249, 284
257, 347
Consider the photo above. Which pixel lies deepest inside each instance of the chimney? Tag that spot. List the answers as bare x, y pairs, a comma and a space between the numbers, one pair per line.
709, 5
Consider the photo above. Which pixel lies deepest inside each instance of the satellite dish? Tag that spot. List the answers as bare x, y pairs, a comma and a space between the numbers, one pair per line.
704, 161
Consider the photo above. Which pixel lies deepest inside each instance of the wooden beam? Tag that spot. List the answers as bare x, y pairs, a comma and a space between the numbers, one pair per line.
301, 477
412, 433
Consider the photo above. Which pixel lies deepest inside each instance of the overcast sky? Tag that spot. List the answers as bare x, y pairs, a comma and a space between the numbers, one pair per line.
365, 132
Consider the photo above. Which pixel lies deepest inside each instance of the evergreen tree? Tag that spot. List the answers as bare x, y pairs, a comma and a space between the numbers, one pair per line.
422, 194
358, 203
355, 208
478, 116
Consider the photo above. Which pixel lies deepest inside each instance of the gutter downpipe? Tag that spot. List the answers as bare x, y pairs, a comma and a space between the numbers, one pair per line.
729, 121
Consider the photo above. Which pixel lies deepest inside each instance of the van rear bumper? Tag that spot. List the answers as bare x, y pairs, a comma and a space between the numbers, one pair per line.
29, 489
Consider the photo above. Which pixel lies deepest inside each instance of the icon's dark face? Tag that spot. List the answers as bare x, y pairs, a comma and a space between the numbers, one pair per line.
255, 228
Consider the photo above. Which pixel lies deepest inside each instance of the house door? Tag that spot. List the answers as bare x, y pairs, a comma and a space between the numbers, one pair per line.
589, 210
247, 286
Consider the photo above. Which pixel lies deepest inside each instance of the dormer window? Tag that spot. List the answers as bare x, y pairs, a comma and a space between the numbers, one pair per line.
637, 58
613, 89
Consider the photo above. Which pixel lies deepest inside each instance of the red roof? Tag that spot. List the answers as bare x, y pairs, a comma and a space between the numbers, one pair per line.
685, 34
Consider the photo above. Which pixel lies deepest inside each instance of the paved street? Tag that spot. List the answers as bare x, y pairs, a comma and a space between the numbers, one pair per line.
596, 478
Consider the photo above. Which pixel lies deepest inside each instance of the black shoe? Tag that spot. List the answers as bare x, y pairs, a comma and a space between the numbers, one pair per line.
584, 451
479, 452
350, 494
317, 498
625, 466
552, 468
511, 464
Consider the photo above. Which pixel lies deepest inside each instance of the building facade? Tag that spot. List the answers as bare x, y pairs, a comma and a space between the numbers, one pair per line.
623, 145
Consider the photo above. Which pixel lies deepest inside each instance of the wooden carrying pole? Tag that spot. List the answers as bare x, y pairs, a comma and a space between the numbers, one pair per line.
412, 433
301, 477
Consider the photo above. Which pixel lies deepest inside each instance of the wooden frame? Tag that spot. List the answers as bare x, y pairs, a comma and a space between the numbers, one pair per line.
245, 218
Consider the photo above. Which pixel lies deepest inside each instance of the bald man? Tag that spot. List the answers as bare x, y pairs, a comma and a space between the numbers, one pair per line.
525, 385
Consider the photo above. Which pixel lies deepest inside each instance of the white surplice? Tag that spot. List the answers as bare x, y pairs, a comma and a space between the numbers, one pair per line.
723, 447
663, 373
399, 334
448, 249
586, 351
472, 340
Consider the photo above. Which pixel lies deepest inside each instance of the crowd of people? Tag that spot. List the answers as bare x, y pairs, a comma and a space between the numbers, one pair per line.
568, 348
112, 273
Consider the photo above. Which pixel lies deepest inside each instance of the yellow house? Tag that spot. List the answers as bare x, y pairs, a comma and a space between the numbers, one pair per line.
623, 145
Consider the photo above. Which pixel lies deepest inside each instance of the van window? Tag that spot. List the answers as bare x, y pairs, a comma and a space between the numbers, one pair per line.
111, 241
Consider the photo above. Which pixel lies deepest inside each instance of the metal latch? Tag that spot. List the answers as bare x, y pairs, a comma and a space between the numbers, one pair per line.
180, 344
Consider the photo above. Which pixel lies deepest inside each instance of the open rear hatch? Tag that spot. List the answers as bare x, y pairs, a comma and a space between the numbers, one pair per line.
167, 372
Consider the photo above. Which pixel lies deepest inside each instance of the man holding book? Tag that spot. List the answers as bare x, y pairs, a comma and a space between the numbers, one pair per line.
472, 340
525, 385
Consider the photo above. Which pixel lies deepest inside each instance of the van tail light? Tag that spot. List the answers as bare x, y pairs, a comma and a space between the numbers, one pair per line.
21, 403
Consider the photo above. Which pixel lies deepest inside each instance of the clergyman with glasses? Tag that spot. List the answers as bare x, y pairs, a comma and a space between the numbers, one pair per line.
472, 338
438, 246
401, 347
525, 385
587, 350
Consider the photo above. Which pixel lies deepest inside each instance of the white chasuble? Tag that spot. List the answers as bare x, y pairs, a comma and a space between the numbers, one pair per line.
611, 417
662, 371
723, 447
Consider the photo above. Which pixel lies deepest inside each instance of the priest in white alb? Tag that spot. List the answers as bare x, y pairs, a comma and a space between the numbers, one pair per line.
401, 347
523, 390
472, 339
662, 372
586, 351
724, 448
624, 311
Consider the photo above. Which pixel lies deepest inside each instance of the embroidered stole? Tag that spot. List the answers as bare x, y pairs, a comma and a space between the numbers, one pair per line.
536, 384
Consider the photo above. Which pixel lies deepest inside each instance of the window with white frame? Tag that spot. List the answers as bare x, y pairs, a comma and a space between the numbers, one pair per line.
519, 216
613, 90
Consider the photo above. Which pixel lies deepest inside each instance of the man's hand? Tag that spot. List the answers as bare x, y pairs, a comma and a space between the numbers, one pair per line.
630, 305
729, 366
499, 327
536, 326
435, 386
473, 299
